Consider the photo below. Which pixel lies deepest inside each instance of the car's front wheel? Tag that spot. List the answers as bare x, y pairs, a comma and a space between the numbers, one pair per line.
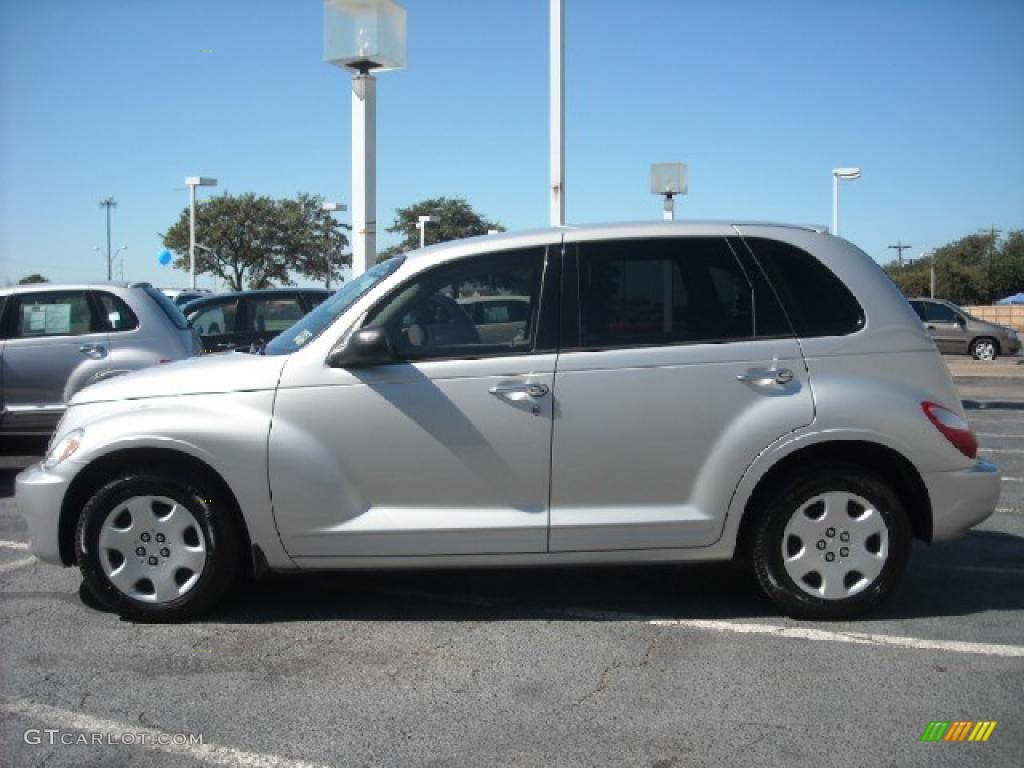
984, 349
157, 547
832, 544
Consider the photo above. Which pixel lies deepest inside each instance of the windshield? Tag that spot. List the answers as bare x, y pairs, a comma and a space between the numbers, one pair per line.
313, 324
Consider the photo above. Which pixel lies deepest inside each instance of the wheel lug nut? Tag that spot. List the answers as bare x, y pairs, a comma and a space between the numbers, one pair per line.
161, 538
140, 551
844, 536
831, 532
844, 551
165, 552
153, 560
830, 556
821, 544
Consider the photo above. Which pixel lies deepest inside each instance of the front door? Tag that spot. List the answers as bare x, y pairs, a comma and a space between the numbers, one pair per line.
444, 451
945, 327
680, 372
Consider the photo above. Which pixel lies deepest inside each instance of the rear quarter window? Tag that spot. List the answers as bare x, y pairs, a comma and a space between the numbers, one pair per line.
815, 299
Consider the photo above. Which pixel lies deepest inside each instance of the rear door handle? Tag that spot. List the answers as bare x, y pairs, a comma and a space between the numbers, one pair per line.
93, 351
780, 376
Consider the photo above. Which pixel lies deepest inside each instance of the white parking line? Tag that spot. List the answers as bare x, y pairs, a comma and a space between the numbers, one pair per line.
14, 544
1001, 450
1009, 511
17, 564
859, 638
1013, 479
209, 753
800, 633
996, 434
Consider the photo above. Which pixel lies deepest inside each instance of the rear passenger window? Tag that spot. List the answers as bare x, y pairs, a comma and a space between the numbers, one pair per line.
817, 302
663, 291
52, 313
116, 314
274, 314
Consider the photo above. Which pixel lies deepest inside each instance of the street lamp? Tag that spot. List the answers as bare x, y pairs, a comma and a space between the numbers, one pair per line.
669, 180
329, 208
192, 182
364, 36
846, 174
421, 225
108, 203
119, 250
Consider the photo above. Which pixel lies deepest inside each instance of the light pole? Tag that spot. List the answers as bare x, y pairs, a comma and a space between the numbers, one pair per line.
108, 203
669, 180
119, 250
421, 225
992, 232
329, 208
846, 174
557, 77
364, 36
192, 182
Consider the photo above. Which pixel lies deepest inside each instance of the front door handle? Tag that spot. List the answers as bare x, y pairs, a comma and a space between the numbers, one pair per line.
532, 389
780, 376
93, 351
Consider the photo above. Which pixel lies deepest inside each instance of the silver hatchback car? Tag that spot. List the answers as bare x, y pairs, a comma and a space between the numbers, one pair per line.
673, 392
56, 338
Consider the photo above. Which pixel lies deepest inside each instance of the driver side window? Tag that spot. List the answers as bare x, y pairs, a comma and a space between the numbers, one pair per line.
442, 313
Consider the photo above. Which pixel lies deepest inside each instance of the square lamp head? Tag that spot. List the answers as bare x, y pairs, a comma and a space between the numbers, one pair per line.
669, 179
364, 35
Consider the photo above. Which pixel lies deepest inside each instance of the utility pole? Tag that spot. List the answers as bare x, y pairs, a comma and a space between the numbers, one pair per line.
108, 203
900, 248
991, 232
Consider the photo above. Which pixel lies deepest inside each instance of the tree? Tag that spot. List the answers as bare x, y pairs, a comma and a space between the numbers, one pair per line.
258, 241
972, 270
33, 278
456, 220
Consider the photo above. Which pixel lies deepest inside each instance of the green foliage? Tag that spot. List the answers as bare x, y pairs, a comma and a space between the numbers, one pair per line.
457, 220
260, 242
33, 278
976, 269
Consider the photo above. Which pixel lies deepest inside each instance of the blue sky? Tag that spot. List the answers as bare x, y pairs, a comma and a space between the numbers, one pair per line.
761, 99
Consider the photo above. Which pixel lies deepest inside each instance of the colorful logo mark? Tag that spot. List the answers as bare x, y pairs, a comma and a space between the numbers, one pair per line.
958, 730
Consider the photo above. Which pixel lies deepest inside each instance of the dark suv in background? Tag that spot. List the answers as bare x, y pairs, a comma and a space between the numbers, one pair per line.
957, 332
226, 321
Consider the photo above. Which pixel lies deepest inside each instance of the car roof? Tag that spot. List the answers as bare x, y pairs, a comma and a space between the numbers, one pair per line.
454, 249
81, 286
215, 298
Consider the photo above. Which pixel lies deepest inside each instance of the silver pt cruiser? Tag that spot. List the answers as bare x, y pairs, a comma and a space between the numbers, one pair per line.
654, 393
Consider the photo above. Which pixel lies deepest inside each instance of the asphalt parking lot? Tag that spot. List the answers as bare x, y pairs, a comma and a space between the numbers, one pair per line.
657, 666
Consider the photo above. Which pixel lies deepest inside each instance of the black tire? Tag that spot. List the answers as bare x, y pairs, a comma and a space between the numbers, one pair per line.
210, 513
978, 344
770, 538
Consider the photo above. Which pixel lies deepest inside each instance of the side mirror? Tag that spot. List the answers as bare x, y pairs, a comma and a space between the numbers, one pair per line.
365, 347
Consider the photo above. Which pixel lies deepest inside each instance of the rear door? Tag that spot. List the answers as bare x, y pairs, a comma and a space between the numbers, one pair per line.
668, 386
215, 323
942, 322
55, 343
266, 316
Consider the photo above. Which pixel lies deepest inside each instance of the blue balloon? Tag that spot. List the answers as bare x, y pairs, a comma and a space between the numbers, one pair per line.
165, 258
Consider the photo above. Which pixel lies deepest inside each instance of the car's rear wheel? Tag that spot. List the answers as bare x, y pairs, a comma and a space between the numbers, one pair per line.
833, 544
157, 548
984, 349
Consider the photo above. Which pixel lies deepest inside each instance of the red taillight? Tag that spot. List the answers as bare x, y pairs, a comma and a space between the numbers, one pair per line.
953, 428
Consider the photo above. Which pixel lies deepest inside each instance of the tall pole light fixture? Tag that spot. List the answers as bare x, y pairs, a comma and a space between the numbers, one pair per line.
364, 36
192, 182
108, 203
844, 174
557, 66
421, 225
122, 249
329, 208
669, 180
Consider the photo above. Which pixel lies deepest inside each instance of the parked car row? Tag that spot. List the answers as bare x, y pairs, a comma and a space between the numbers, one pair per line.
957, 332
659, 392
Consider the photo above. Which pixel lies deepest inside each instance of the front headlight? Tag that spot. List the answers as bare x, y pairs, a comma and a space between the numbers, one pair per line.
64, 448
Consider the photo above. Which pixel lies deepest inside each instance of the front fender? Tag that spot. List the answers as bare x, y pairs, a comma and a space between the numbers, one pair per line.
228, 432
